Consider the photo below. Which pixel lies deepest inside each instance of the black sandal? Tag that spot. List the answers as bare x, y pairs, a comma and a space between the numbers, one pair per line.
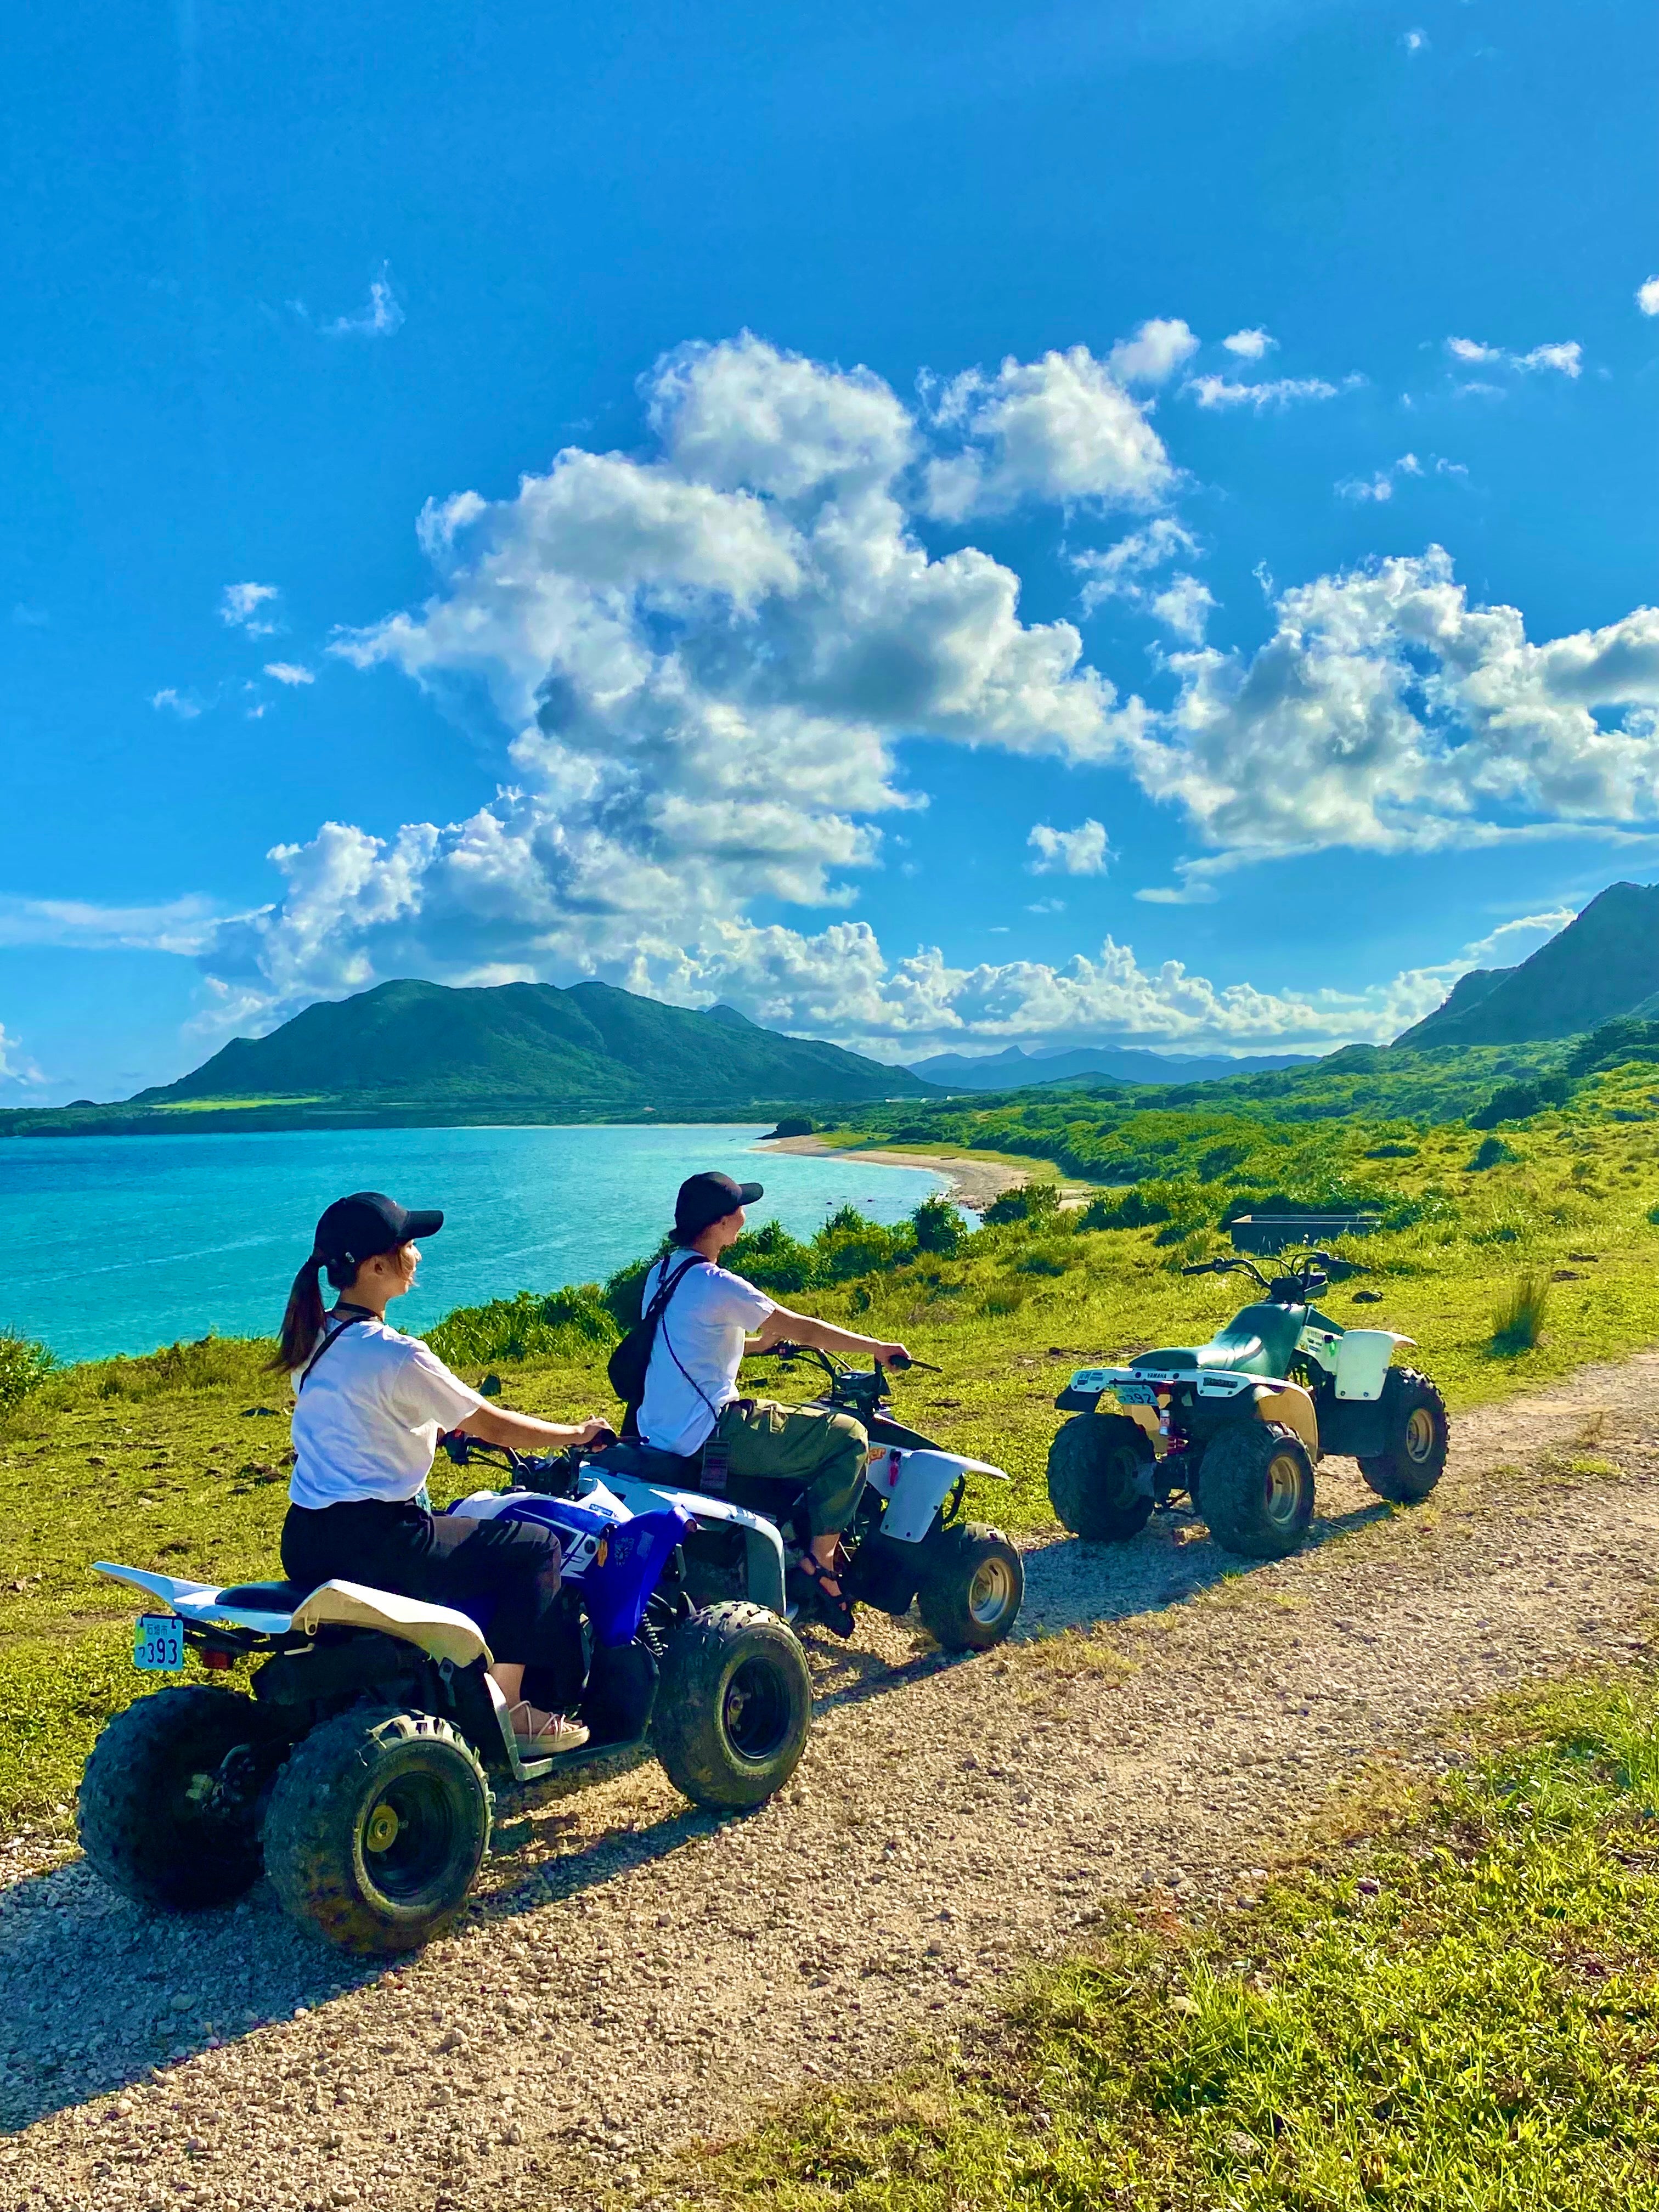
830, 1606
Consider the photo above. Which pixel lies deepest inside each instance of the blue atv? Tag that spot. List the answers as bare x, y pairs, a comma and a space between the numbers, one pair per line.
367, 1772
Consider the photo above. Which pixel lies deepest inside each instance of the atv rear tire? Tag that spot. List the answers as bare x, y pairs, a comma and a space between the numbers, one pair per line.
1257, 1484
973, 1583
1418, 1436
376, 1827
1099, 1481
734, 1705
166, 1810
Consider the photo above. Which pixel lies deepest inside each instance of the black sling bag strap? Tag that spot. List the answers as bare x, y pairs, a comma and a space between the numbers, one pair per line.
329, 1339
628, 1364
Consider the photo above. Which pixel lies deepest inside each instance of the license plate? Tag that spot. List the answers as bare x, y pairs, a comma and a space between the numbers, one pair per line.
158, 1644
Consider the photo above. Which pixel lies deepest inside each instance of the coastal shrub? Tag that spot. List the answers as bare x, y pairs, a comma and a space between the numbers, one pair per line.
571, 1324
1053, 1257
937, 1226
1490, 1152
1517, 1320
1519, 1102
1033, 1202
24, 1365
848, 1245
794, 1125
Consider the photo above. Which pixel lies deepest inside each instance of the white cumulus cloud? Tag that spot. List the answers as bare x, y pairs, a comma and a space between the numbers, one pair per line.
1060, 429
1251, 344
1152, 356
1647, 296
15, 1065
289, 673
240, 606
699, 664
1080, 852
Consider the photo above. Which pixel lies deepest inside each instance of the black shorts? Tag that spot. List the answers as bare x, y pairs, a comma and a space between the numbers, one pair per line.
448, 1558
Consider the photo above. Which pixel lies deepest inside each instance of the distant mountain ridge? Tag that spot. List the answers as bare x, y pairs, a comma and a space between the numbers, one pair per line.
1602, 965
521, 1047
1017, 1069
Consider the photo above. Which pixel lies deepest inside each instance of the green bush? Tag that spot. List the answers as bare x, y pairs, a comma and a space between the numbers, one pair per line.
937, 1226
1518, 1102
1490, 1152
24, 1365
794, 1125
1032, 1202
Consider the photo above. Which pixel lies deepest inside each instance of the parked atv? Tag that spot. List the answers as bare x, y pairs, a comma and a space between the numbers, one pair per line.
906, 1544
365, 1773
1240, 1423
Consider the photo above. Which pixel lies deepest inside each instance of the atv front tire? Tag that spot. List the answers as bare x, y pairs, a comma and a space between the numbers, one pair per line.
1257, 1484
1097, 1478
973, 1583
1418, 1434
166, 1810
376, 1827
734, 1705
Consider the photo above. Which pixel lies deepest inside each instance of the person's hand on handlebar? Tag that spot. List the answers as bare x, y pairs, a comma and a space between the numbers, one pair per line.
890, 1355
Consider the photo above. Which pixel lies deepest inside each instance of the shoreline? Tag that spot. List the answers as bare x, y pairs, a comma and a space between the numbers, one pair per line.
971, 1182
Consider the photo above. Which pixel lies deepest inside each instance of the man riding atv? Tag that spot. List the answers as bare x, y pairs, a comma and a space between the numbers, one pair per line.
704, 1315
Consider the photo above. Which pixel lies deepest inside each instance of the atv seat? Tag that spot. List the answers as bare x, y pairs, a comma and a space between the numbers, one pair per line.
266, 1597
1261, 1339
646, 1463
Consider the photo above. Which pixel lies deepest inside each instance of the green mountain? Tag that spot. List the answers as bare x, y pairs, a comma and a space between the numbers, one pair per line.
421, 1052
1604, 965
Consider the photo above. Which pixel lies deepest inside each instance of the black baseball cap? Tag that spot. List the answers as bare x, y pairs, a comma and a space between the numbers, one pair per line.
709, 1198
355, 1229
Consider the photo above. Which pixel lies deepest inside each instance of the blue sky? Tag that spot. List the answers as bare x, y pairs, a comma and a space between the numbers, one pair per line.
951, 526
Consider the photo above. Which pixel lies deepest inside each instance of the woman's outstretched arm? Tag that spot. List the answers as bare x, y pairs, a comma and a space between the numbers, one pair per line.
524, 1432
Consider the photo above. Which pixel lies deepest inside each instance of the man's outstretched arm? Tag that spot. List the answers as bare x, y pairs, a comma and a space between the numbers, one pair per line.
782, 1326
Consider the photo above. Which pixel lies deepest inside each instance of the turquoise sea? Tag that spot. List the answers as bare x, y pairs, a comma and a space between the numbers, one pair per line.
122, 1243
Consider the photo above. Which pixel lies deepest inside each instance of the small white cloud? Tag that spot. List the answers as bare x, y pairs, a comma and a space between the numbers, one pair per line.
176, 702
258, 714
1116, 574
378, 318
1183, 607
289, 672
1444, 468
1063, 428
1565, 356
1281, 391
1647, 296
239, 606
1047, 906
1153, 354
1415, 41
1381, 486
1250, 346
15, 1065
1080, 852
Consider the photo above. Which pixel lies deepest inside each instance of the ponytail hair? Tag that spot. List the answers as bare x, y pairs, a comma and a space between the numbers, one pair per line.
302, 1322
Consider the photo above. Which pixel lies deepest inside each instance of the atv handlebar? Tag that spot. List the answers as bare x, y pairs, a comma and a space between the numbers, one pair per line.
1307, 1269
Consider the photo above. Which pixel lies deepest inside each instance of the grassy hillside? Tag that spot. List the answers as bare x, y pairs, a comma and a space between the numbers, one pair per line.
414, 1052
169, 1462
1600, 966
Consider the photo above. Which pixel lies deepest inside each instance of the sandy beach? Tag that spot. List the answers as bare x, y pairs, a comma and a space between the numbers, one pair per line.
974, 1182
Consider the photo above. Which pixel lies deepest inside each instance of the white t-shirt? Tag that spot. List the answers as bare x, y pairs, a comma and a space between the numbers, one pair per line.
705, 1323
367, 1421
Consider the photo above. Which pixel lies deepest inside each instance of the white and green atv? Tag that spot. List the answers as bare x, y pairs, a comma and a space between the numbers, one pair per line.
1240, 1423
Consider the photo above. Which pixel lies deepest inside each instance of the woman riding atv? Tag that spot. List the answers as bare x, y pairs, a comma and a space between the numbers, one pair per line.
370, 1407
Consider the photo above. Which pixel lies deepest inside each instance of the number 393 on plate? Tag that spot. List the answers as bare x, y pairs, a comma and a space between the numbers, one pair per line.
158, 1644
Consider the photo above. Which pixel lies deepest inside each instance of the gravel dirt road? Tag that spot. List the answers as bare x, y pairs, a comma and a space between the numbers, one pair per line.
639, 1973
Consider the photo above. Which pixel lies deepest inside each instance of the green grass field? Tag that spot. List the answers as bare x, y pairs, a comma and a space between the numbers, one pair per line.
169, 1462
1452, 2007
